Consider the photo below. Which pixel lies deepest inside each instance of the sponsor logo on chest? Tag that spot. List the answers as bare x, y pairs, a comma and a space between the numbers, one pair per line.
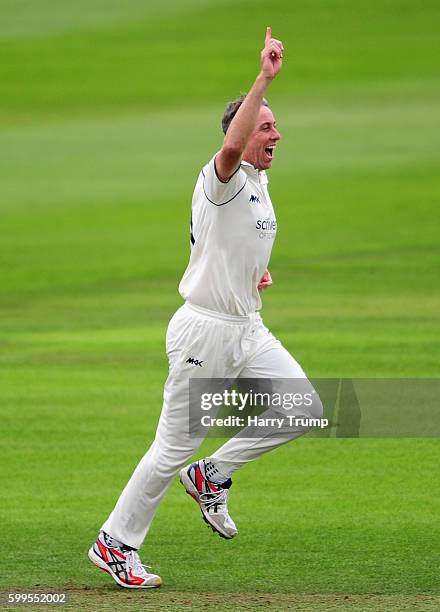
267, 228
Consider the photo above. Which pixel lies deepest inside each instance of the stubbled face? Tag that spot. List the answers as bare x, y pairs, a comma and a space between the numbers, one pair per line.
261, 146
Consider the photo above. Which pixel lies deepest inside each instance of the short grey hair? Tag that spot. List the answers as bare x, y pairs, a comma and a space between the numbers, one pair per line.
232, 108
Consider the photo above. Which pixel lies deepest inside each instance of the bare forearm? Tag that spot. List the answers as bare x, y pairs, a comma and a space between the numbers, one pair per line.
245, 120
244, 123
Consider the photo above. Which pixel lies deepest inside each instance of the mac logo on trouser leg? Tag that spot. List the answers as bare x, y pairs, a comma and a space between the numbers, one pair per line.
195, 362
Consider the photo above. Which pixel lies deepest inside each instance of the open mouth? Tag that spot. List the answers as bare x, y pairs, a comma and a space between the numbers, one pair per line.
270, 151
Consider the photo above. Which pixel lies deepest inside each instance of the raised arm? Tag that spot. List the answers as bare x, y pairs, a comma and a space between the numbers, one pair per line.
243, 124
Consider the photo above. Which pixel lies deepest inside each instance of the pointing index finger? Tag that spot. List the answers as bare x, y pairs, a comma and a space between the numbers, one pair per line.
268, 34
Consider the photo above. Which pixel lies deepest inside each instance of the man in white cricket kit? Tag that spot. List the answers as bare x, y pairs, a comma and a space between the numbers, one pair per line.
217, 333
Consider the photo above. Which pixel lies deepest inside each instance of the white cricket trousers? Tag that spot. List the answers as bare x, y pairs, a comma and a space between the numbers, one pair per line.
229, 347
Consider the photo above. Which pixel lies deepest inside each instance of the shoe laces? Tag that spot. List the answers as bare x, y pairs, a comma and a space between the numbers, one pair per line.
218, 498
133, 561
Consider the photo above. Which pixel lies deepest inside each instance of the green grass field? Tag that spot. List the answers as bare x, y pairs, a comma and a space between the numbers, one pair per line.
107, 112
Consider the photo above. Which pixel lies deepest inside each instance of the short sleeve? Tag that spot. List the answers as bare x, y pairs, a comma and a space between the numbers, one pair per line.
219, 192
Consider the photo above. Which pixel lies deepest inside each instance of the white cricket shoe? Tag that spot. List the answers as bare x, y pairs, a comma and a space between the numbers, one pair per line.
212, 499
123, 565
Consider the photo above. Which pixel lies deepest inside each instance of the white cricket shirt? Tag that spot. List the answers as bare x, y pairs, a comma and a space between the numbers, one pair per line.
233, 227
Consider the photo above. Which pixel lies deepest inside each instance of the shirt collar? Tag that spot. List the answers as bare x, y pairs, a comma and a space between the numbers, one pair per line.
262, 176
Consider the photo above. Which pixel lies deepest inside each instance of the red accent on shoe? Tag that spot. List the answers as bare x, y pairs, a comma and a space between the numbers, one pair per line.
102, 550
135, 579
199, 480
118, 554
212, 487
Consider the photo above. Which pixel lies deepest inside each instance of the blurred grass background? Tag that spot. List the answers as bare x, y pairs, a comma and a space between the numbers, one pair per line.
107, 112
